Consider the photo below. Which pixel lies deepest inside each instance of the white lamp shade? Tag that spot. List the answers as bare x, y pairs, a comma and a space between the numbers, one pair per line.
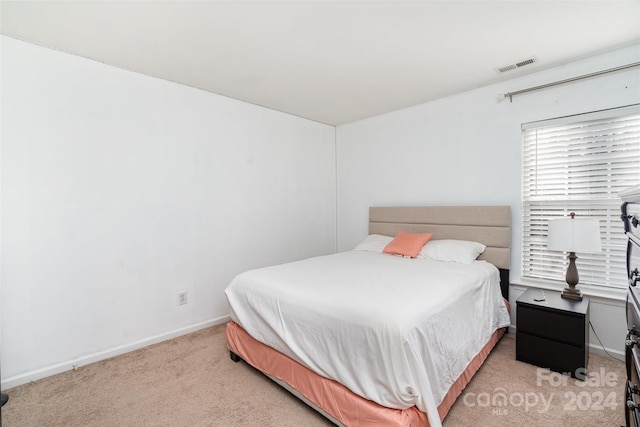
574, 235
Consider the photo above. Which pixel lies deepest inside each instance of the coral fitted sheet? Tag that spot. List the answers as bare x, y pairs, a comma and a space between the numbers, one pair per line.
334, 399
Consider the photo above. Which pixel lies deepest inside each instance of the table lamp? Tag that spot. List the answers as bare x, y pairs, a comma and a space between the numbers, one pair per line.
574, 235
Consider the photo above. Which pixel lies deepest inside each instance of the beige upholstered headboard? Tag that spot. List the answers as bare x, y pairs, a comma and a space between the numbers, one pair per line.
489, 225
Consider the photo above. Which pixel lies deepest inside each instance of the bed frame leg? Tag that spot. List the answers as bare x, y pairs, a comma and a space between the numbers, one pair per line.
234, 356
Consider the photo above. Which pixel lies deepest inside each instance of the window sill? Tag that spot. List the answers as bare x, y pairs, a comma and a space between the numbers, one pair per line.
594, 292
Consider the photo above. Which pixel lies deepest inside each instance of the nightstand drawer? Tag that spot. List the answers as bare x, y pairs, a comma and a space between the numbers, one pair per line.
554, 326
633, 264
550, 354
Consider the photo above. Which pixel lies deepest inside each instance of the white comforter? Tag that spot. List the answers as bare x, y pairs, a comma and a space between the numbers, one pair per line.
394, 330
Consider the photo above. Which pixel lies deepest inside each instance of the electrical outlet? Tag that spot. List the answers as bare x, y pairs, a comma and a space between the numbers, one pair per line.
182, 297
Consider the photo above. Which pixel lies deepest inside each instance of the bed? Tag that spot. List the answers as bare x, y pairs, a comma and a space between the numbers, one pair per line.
370, 339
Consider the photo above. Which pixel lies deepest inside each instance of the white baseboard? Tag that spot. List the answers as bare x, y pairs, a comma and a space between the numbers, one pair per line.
16, 380
597, 349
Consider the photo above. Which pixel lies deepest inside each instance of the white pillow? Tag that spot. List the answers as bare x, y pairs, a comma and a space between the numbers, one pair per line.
374, 243
461, 251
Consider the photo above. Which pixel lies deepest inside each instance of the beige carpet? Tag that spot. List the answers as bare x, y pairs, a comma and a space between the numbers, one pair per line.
190, 381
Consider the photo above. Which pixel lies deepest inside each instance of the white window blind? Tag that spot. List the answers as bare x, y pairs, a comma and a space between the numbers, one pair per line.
579, 164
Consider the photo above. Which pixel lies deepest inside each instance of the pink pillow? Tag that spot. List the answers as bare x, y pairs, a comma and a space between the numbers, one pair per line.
407, 244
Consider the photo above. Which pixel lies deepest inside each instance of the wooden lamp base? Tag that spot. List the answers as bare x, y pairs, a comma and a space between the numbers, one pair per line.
571, 293
572, 280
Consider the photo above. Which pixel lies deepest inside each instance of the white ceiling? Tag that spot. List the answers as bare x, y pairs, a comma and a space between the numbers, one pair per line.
329, 61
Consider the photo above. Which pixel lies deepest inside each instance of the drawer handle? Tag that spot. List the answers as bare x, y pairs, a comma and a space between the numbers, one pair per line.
634, 276
633, 218
631, 339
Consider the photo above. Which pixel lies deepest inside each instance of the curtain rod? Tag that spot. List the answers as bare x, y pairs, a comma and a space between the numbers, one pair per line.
510, 95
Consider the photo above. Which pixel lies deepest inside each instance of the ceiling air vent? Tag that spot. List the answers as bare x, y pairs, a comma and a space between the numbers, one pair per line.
516, 65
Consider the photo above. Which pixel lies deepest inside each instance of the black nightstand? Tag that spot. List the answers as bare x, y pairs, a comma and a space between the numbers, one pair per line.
553, 333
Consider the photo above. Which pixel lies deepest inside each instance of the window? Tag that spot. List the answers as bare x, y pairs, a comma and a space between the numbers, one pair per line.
579, 164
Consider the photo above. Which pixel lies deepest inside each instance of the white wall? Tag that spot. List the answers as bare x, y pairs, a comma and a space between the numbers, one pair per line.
119, 190
465, 149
